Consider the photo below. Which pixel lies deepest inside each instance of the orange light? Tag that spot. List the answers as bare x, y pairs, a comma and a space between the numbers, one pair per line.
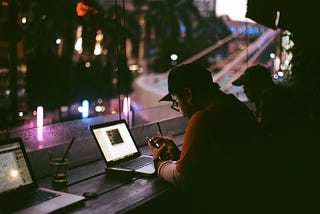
4, 3
82, 9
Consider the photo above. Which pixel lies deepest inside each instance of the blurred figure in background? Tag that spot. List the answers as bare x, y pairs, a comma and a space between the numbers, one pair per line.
275, 106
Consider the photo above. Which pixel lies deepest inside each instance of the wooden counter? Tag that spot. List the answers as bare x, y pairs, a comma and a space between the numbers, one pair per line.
116, 193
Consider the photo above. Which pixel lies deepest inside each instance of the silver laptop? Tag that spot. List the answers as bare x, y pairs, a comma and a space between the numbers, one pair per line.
119, 148
18, 184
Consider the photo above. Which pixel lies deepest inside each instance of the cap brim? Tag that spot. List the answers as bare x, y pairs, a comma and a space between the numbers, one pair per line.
166, 98
240, 81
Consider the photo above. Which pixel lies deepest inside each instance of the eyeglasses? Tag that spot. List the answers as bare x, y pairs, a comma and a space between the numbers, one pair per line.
175, 105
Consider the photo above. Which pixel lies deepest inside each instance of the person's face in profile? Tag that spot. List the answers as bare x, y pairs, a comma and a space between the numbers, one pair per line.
179, 104
247, 91
185, 103
251, 92
175, 104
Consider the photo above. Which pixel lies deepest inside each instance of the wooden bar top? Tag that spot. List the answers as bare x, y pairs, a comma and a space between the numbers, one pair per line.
115, 193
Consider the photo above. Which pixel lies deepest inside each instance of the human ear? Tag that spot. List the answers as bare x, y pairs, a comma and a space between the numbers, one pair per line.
188, 95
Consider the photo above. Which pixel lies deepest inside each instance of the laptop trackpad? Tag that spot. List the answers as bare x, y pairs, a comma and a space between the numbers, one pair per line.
148, 169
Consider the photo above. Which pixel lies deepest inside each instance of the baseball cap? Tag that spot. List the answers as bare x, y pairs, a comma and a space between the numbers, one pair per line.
190, 75
256, 73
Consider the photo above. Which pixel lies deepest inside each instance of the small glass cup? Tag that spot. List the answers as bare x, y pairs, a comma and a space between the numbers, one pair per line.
59, 171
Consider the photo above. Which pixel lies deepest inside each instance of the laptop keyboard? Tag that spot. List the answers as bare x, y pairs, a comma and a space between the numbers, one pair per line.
136, 163
39, 196
30, 199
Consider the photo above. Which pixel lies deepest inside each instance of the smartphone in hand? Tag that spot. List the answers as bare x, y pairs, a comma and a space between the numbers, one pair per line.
153, 143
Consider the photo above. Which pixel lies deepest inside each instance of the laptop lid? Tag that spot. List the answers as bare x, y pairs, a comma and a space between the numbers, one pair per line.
17, 178
16, 175
115, 141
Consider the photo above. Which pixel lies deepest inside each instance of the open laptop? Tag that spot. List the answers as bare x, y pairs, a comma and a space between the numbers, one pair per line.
19, 191
119, 148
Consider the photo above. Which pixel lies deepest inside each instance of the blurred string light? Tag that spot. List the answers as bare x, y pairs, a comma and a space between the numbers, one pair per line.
4, 3
24, 20
58, 41
276, 63
98, 47
135, 68
287, 45
280, 73
99, 107
40, 115
84, 109
78, 44
174, 57
126, 105
82, 9
182, 30
20, 114
87, 64
272, 55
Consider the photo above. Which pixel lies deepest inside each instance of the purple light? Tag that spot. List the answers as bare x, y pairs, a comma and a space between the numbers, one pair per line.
126, 105
40, 134
40, 116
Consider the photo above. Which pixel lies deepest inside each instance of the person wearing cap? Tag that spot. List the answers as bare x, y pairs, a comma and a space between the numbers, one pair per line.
211, 167
274, 105
255, 80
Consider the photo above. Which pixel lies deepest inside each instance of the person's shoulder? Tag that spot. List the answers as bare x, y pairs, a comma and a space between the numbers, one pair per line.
233, 102
199, 120
221, 106
278, 92
271, 91
279, 88
211, 110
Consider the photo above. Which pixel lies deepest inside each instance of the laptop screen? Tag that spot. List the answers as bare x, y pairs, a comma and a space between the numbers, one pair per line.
14, 171
115, 140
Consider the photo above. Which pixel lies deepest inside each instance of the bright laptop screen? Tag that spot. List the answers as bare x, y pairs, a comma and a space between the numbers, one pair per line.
14, 172
115, 141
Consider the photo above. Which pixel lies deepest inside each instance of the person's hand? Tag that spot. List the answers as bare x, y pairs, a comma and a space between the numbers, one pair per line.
168, 149
172, 151
156, 152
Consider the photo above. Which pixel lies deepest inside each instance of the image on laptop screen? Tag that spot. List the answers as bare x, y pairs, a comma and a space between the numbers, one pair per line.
14, 172
115, 141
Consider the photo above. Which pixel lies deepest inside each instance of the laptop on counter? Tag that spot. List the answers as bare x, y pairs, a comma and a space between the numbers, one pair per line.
19, 190
119, 148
